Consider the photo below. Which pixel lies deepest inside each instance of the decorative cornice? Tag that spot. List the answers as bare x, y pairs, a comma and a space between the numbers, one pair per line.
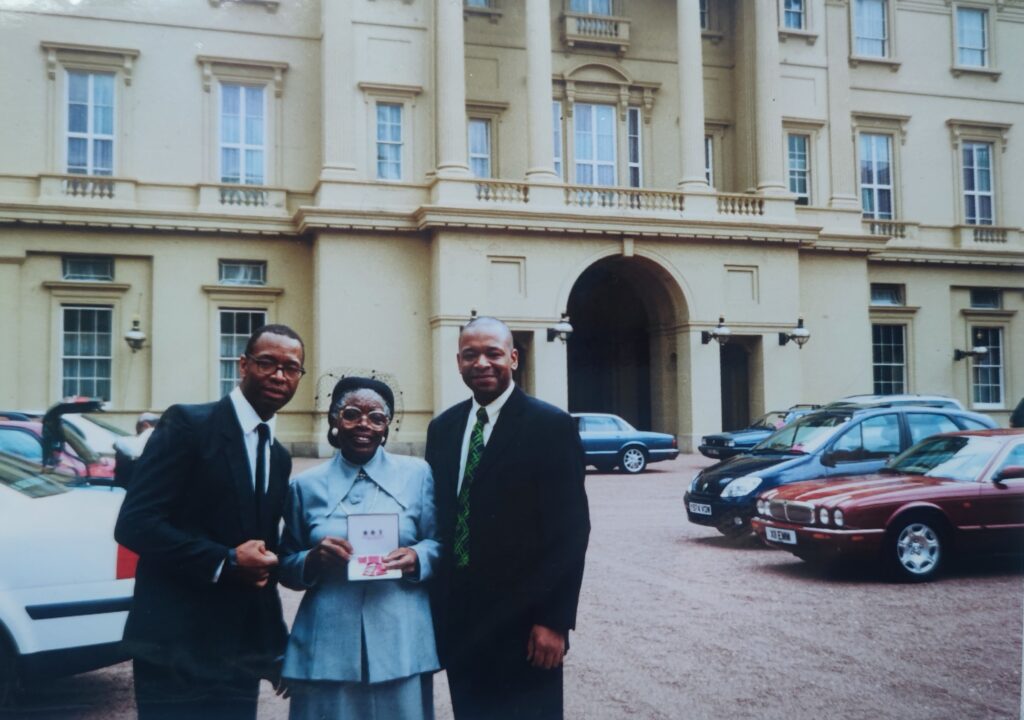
121, 59
268, 70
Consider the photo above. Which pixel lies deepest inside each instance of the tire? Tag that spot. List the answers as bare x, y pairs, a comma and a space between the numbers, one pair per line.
915, 548
633, 460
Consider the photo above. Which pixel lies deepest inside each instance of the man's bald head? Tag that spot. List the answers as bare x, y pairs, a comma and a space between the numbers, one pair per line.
487, 357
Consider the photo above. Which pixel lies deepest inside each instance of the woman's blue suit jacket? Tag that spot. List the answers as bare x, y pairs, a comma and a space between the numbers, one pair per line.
325, 642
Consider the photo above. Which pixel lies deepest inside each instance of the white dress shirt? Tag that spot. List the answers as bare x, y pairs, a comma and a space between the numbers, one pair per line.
493, 409
249, 419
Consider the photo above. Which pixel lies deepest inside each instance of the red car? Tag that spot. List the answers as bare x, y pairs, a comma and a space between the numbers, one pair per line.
958, 492
46, 442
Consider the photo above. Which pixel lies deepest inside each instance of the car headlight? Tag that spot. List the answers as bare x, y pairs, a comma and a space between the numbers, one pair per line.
823, 516
693, 483
742, 486
837, 517
762, 507
730, 443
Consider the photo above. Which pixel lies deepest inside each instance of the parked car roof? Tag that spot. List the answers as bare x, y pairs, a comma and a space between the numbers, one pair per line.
893, 400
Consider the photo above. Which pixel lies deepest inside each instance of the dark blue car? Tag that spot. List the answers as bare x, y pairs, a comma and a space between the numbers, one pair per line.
609, 442
726, 444
831, 442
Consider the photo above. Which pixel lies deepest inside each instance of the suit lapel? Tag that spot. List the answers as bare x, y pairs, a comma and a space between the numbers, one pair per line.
452, 452
277, 486
504, 431
238, 462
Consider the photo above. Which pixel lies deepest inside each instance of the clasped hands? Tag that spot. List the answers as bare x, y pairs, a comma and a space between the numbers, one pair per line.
253, 563
333, 554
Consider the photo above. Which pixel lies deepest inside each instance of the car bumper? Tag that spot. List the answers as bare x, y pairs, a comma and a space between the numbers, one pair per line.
718, 452
659, 455
716, 512
811, 542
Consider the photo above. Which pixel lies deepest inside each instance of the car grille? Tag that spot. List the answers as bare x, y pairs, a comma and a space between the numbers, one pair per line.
715, 442
794, 512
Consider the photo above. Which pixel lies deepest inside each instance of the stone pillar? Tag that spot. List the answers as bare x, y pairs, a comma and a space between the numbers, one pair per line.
340, 98
450, 113
540, 166
768, 133
842, 163
691, 94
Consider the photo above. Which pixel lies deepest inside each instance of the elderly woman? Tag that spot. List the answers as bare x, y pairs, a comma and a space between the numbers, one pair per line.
360, 649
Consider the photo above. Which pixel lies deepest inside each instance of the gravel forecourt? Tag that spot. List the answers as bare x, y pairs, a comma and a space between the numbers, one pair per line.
675, 622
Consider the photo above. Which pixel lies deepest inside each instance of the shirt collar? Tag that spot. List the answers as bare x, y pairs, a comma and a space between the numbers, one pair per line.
247, 417
377, 469
495, 406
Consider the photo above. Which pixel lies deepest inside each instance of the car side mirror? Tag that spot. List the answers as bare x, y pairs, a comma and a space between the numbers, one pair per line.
828, 459
1010, 472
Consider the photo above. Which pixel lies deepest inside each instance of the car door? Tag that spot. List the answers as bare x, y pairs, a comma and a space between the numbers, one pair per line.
601, 436
1001, 503
865, 446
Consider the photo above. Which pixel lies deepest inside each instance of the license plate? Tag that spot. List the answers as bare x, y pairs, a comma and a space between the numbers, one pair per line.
700, 509
712, 452
781, 536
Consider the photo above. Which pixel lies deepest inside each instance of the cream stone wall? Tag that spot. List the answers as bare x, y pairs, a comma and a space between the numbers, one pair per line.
380, 275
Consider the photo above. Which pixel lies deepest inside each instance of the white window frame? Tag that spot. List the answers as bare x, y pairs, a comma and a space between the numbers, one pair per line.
969, 131
244, 144
634, 119
988, 362
794, 173
860, 6
787, 12
67, 273
705, 15
971, 147
875, 188
95, 357
877, 366
226, 384
91, 135
899, 290
389, 142
888, 56
257, 278
594, 163
558, 132
375, 94
986, 46
486, 156
219, 71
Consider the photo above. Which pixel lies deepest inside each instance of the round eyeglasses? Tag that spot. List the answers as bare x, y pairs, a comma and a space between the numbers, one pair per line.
269, 366
375, 418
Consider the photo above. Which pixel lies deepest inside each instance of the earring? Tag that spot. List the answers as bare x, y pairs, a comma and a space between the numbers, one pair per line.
334, 432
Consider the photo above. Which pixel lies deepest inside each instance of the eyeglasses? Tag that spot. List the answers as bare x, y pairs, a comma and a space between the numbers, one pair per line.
269, 366
375, 418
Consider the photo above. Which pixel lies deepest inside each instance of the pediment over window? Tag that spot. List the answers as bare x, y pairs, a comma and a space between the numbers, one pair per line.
606, 83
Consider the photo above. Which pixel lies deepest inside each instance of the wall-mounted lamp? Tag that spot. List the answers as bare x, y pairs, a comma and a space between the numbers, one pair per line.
561, 329
800, 335
975, 352
135, 337
720, 333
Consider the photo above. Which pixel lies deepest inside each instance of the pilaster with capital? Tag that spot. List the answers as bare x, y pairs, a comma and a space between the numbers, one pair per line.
768, 133
691, 95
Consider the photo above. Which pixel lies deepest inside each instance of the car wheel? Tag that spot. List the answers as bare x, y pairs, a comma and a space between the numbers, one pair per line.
916, 548
633, 460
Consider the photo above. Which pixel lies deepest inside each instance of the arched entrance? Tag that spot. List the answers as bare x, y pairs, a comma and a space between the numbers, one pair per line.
622, 355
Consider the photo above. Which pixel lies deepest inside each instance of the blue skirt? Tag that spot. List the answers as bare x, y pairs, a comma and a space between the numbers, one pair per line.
410, 698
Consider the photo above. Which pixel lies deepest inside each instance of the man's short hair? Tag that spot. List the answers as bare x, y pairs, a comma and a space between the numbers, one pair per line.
272, 329
485, 320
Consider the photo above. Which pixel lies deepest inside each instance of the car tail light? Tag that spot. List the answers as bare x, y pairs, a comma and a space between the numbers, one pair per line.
675, 443
126, 562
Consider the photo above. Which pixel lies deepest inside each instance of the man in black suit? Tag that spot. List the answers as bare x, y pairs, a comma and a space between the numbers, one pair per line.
203, 515
508, 472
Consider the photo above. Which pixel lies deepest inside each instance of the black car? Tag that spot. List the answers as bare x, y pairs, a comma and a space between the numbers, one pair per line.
610, 441
726, 444
840, 441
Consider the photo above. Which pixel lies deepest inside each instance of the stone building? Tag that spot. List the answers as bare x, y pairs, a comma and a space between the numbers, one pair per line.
371, 172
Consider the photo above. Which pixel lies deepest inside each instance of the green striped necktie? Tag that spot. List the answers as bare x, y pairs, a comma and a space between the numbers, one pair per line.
476, 451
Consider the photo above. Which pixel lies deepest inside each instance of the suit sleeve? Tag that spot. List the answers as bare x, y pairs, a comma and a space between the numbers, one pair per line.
145, 524
295, 544
564, 524
428, 548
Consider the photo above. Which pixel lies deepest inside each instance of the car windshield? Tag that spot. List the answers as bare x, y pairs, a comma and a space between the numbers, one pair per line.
960, 458
27, 478
105, 424
770, 421
804, 435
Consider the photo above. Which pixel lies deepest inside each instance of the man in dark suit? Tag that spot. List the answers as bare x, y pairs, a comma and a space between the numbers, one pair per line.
512, 509
203, 513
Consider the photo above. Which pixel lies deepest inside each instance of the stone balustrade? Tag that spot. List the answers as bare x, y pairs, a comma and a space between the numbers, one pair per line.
588, 196
608, 31
742, 205
499, 191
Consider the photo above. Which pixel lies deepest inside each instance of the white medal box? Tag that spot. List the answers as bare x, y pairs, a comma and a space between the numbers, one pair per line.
373, 536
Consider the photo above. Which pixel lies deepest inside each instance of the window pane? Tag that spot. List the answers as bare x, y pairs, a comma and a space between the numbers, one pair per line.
229, 165
78, 87
103, 157
253, 167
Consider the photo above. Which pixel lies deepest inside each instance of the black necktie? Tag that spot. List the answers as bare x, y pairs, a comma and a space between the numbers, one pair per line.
263, 430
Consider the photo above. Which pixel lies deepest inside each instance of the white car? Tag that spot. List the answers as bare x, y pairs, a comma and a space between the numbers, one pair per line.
65, 585
97, 433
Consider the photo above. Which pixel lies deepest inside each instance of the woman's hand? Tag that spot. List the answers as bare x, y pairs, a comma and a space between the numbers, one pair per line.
404, 559
331, 553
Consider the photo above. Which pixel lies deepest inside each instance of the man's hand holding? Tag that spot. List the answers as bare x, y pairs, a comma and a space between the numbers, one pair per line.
253, 563
545, 648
